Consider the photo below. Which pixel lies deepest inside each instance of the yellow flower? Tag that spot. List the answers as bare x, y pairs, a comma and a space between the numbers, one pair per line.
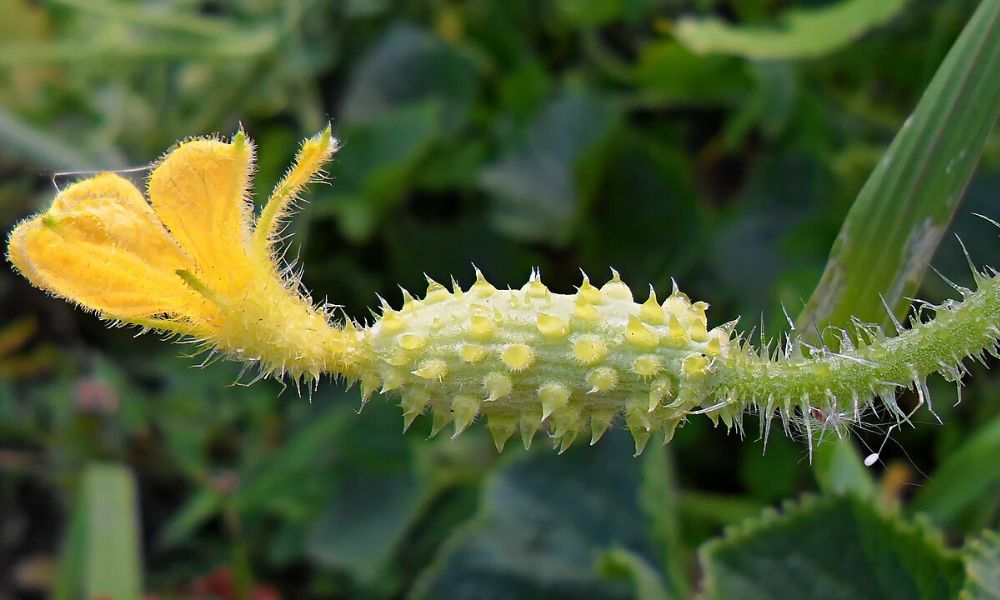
190, 260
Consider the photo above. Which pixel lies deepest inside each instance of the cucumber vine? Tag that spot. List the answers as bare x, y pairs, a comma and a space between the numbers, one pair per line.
193, 261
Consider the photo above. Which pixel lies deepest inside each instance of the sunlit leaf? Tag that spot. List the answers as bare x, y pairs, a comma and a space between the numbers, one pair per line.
798, 33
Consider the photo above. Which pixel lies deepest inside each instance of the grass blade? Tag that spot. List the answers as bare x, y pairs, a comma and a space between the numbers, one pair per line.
897, 220
905, 207
101, 555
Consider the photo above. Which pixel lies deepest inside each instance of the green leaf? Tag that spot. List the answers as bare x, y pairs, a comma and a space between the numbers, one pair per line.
981, 557
264, 486
768, 107
829, 548
197, 509
662, 205
536, 185
542, 526
377, 497
33, 143
409, 66
659, 496
593, 13
623, 564
969, 473
905, 207
717, 509
365, 520
102, 556
838, 469
797, 33
377, 164
590, 12
670, 74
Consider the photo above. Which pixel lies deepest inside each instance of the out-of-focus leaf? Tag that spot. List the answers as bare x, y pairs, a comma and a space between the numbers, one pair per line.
453, 166
179, 21
829, 548
750, 250
373, 170
102, 557
377, 497
716, 509
537, 185
965, 476
982, 567
416, 246
590, 13
407, 66
659, 495
113, 559
772, 474
669, 74
839, 470
769, 107
13, 336
32, 143
899, 216
365, 8
196, 510
24, 88
365, 521
124, 50
309, 450
646, 192
69, 574
623, 564
798, 33
523, 89
542, 526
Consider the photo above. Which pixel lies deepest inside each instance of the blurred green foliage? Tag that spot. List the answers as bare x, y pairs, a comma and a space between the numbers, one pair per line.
556, 133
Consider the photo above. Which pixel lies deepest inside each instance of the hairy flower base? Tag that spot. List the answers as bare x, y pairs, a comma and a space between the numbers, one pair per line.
193, 260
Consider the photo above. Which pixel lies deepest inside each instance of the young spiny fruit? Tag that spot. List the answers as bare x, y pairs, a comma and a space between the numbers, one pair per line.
193, 261
527, 357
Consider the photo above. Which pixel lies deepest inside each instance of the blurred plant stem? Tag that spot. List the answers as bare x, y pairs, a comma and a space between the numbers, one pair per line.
39, 147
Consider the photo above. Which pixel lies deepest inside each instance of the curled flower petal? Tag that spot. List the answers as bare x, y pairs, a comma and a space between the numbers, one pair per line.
106, 209
101, 246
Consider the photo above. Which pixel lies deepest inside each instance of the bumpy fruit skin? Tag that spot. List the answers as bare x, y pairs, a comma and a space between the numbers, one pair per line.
527, 356
192, 260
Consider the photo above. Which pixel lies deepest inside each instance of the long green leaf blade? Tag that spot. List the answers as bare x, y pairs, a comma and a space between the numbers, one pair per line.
112, 566
905, 207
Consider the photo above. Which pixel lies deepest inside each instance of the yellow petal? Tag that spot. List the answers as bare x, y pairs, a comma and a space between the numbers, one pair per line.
57, 257
199, 192
101, 246
108, 209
